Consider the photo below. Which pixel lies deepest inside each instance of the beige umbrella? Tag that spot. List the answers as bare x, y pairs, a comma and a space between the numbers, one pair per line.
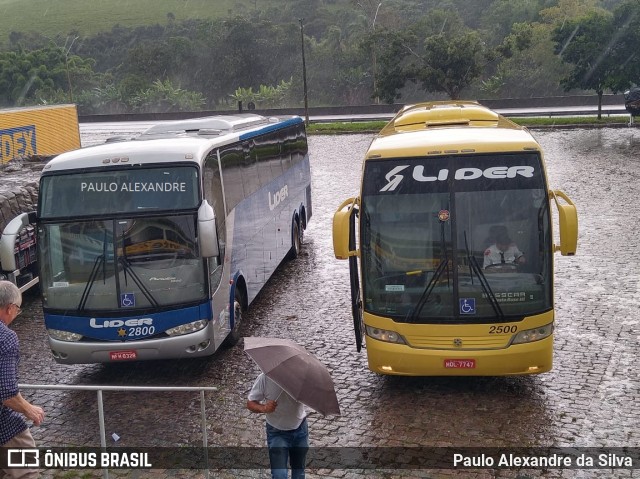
296, 371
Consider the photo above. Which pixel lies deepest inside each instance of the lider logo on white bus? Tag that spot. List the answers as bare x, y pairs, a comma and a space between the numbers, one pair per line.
495, 172
278, 196
116, 323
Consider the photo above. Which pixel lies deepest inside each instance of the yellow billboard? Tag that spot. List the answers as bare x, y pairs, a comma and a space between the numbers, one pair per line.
38, 131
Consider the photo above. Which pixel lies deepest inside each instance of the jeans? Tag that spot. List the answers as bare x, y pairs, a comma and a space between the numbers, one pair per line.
288, 447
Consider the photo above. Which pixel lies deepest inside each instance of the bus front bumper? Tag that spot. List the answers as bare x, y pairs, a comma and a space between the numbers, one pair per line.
191, 345
520, 359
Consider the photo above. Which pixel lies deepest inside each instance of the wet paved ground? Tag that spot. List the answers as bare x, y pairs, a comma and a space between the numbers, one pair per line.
589, 399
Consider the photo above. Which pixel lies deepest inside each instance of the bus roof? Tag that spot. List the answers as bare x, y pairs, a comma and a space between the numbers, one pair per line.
449, 127
185, 140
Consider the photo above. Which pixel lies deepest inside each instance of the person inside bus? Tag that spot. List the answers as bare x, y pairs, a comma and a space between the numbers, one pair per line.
503, 252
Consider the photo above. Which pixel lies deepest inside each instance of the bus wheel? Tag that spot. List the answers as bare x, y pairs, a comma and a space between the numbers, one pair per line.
234, 335
296, 247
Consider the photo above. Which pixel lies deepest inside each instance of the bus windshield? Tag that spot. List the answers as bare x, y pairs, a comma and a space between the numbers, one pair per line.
149, 262
459, 239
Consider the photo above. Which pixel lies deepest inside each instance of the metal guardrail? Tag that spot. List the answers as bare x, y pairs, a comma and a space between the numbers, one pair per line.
548, 106
100, 389
551, 113
542, 113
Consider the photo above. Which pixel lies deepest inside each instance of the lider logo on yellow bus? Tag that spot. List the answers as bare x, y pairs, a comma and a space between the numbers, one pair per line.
494, 172
17, 142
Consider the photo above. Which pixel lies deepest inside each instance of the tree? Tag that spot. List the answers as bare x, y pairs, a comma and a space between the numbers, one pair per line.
626, 23
448, 59
30, 77
267, 96
451, 63
500, 15
238, 52
525, 64
163, 96
591, 46
340, 71
394, 68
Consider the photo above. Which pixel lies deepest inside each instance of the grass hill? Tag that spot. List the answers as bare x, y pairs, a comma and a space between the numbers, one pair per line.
59, 17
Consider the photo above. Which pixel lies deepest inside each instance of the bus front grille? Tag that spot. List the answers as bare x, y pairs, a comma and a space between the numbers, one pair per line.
458, 343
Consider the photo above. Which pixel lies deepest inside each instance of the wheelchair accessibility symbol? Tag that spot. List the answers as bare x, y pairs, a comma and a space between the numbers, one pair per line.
468, 306
127, 300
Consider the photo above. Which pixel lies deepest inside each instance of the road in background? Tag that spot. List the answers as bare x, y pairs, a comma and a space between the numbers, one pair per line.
100, 127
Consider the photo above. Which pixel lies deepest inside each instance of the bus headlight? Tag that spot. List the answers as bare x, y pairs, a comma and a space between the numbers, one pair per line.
531, 335
187, 328
384, 335
64, 335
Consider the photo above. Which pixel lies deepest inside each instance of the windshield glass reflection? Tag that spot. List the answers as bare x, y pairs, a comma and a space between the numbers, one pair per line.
456, 256
148, 261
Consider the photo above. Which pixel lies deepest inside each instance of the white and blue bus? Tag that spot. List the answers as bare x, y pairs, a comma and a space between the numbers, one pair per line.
153, 247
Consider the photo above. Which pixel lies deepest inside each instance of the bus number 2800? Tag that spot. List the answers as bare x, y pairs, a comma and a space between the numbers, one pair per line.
141, 331
502, 329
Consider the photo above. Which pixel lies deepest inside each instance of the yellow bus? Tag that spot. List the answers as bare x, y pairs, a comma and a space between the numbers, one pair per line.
450, 245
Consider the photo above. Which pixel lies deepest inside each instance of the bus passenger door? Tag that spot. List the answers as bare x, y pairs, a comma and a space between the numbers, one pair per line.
214, 194
344, 247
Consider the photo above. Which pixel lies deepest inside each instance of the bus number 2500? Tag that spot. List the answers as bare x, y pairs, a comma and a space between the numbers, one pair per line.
502, 329
141, 331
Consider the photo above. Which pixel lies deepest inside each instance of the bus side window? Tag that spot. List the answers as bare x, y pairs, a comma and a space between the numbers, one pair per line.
285, 156
301, 144
295, 145
250, 178
261, 152
232, 159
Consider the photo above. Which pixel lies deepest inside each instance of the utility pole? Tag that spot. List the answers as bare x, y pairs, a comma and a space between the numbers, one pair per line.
373, 53
66, 65
304, 74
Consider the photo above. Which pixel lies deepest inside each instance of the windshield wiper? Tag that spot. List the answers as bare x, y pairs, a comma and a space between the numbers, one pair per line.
444, 264
474, 266
99, 262
427, 291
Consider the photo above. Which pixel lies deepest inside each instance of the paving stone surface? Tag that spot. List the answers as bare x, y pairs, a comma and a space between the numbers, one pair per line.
589, 399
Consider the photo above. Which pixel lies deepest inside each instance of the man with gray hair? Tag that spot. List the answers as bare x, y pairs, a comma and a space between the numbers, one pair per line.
14, 431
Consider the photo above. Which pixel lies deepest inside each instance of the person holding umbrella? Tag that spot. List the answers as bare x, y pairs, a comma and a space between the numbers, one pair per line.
287, 430
291, 378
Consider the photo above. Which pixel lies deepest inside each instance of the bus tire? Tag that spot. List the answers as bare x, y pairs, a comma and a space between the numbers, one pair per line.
296, 245
238, 307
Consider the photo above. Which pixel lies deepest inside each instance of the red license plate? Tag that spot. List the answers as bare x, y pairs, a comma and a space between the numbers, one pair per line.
460, 363
123, 355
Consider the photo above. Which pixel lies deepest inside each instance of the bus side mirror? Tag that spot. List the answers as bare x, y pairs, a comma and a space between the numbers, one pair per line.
207, 236
341, 229
568, 221
8, 239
